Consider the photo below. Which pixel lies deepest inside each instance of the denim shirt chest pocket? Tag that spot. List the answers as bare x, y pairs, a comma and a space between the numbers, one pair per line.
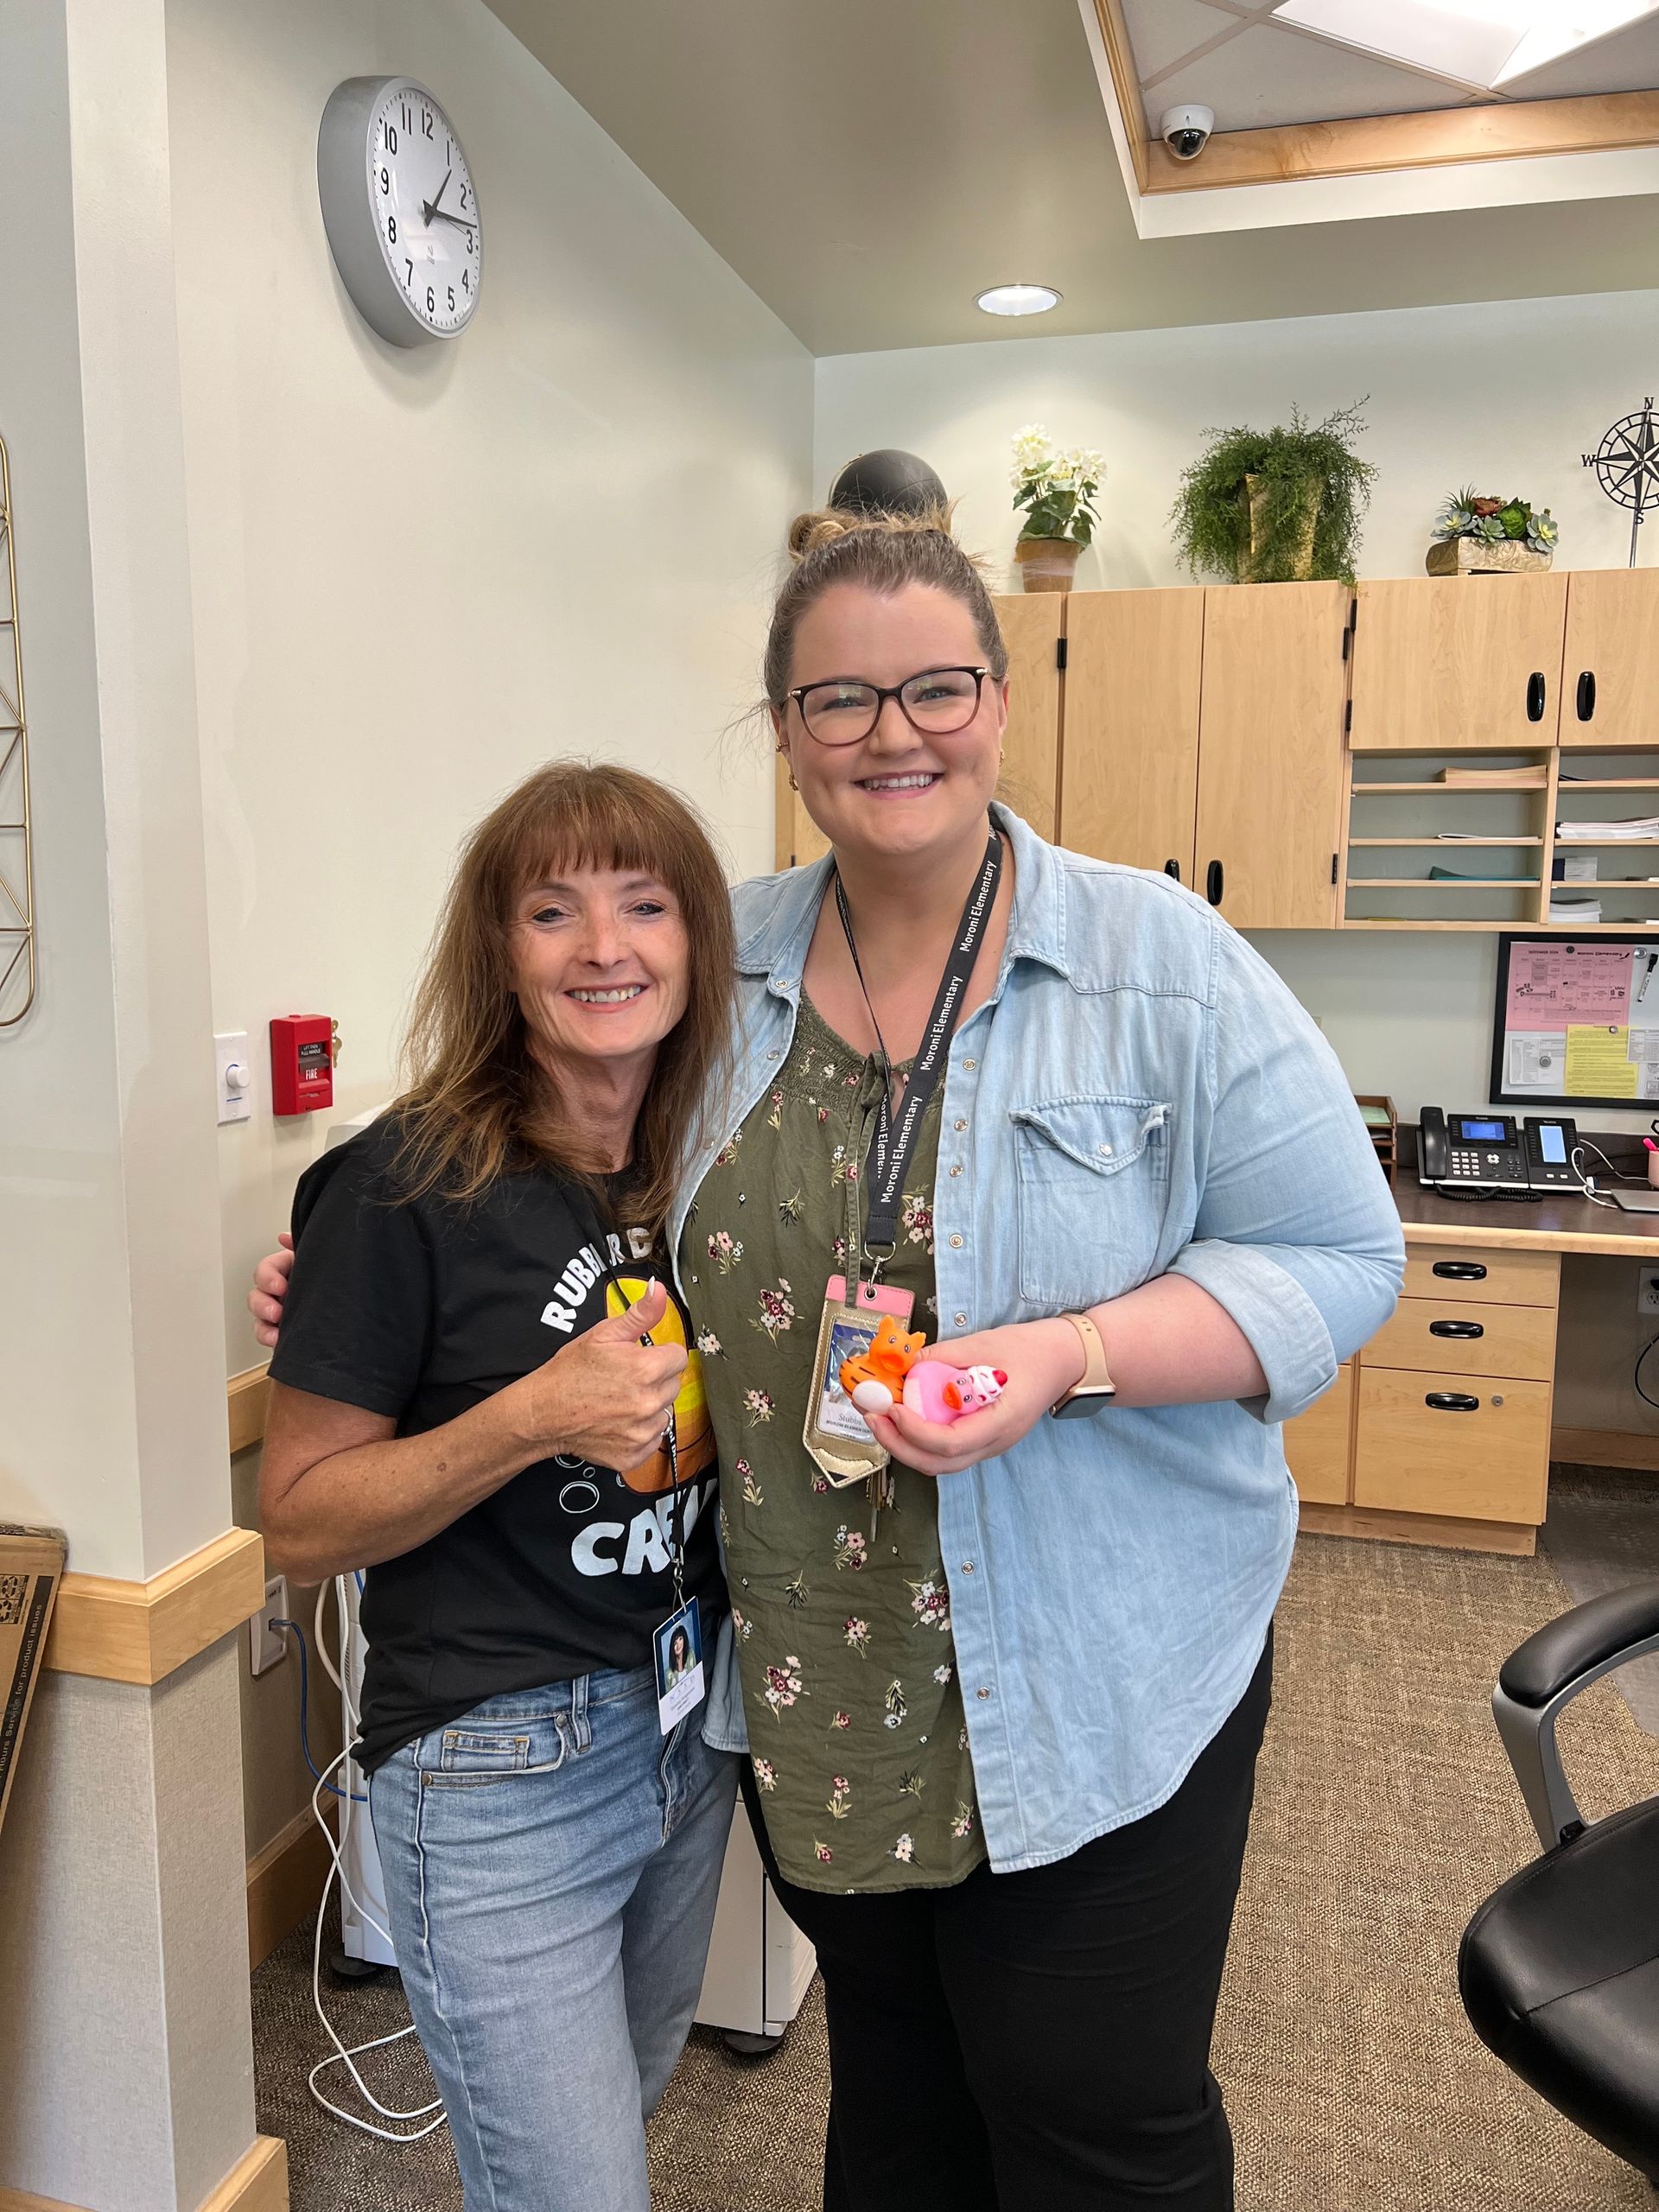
1092, 1189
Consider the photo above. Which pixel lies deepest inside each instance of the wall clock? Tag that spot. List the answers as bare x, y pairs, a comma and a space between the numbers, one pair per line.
399, 208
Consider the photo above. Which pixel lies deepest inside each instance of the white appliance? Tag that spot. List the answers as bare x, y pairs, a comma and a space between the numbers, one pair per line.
760, 1963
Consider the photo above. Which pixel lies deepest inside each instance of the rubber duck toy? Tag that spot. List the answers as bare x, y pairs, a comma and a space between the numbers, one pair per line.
893, 1369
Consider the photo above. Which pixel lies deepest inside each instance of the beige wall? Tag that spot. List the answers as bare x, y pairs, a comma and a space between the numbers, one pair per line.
418, 573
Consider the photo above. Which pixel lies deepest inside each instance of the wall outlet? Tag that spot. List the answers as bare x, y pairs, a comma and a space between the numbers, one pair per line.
268, 1646
1647, 1290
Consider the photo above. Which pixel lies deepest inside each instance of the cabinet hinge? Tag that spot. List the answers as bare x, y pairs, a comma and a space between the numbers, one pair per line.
1334, 868
1347, 640
1347, 717
1059, 652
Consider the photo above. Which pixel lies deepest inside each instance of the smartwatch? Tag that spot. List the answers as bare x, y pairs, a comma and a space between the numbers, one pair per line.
1096, 1389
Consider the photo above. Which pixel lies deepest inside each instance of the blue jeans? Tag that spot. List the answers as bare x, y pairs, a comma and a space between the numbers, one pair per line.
551, 1864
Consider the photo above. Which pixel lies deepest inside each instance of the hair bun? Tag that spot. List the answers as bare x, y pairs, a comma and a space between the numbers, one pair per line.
821, 527
826, 525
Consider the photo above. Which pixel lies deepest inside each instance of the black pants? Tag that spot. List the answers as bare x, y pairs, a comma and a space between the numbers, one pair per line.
1039, 2042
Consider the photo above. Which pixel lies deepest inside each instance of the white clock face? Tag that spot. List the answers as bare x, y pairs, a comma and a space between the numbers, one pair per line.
425, 209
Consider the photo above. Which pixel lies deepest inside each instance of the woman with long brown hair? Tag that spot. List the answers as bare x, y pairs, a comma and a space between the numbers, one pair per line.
485, 1394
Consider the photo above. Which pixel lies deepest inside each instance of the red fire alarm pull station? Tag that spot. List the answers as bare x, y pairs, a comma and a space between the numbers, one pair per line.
302, 1063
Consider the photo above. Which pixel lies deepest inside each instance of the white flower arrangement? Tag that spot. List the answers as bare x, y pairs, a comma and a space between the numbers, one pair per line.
1056, 490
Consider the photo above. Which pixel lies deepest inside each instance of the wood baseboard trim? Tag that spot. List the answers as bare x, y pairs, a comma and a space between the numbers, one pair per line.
246, 1397
284, 1882
1517, 1540
1606, 1447
143, 1631
257, 2182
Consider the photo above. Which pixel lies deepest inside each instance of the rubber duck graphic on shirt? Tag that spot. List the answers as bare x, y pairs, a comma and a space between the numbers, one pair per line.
694, 1432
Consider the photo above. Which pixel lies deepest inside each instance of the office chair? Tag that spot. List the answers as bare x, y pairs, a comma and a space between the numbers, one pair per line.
1559, 1970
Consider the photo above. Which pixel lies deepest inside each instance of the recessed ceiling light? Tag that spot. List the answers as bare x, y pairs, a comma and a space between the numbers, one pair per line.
1025, 299
1483, 42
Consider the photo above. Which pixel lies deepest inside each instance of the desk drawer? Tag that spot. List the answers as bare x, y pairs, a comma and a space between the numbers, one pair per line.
1451, 1336
1484, 1275
1488, 1463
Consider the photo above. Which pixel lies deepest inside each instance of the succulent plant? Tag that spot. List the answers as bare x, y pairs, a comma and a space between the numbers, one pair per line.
1489, 521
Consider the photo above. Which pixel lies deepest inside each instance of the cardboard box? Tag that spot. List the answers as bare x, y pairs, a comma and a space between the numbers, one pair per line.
31, 1568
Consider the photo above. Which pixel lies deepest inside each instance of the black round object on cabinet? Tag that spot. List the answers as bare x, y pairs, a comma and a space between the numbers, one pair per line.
887, 482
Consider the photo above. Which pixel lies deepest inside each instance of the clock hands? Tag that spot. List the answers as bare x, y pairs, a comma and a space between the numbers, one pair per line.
442, 215
429, 208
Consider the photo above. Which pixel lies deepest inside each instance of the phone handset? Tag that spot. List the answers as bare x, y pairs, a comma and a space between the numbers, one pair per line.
1434, 1151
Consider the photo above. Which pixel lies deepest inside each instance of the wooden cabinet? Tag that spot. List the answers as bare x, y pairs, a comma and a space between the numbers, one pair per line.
1205, 728
1610, 675
1270, 764
1465, 661
1033, 625
1448, 1437
799, 836
1319, 1444
1130, 781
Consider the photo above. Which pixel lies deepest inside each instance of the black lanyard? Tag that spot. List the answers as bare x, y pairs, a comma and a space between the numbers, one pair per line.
891, 1146
678, 1493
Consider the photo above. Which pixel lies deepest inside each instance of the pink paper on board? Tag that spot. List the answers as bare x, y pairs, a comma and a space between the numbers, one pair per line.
1561, 986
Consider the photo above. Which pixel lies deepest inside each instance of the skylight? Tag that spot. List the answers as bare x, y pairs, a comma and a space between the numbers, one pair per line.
1487, 43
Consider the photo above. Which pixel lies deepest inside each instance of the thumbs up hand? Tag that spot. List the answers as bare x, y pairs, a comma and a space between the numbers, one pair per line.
605, 1397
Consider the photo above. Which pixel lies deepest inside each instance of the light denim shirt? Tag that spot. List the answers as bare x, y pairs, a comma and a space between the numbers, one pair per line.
1139, 1095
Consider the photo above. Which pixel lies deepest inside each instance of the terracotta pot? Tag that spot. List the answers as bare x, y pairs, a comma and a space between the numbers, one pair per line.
1047, 563
1301, 567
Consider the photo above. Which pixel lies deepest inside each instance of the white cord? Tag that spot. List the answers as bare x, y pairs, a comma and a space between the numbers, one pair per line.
317, 1636
340, 2056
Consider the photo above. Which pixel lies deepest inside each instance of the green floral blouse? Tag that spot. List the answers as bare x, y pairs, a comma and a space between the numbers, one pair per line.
842, 1613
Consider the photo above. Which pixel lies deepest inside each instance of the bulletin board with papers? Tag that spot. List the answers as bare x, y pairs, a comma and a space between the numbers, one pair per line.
1576, 1021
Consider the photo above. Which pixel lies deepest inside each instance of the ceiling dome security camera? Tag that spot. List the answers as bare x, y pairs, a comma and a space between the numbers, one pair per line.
1187, 130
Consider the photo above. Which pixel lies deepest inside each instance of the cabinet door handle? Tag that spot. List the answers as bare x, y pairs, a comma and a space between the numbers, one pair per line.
1536, 690
1461, 1270
1452, 1401
1586, 694
1212, 883
1456, 1329
1172, 867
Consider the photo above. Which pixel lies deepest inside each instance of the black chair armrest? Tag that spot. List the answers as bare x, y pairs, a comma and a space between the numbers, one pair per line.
1583, 1640
1546, 1674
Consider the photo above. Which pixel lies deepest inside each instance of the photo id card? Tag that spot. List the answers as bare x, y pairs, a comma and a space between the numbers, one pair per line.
836, 1433
678, 1647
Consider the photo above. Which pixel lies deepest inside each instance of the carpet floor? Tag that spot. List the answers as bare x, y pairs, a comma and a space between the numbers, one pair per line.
1385, 1813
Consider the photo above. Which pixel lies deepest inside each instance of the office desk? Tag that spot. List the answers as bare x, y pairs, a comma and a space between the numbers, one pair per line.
1440, 1431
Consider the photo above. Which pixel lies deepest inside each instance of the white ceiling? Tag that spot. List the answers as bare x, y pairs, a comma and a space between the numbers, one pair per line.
1254, 69
868, 166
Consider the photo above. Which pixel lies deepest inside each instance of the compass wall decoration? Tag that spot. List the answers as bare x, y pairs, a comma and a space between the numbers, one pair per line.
1626, 463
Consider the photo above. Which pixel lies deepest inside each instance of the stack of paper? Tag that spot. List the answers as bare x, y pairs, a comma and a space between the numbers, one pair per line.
1642, 827
1580, 912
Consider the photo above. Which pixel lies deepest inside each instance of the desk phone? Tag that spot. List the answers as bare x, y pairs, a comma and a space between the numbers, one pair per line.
1484, 1152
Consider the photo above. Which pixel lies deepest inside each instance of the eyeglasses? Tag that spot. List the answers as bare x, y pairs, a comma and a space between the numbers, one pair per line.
937, 704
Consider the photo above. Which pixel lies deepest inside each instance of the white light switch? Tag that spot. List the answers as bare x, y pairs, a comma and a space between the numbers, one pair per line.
234, 1072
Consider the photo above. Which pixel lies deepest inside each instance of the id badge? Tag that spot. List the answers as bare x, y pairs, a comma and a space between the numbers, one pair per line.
677, 1649
835, 1433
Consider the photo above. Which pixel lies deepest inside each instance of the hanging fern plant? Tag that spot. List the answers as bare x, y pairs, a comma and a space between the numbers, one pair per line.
1276, 506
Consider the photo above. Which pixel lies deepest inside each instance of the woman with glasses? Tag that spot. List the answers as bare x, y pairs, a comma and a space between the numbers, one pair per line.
1003, 1682
1003, 1693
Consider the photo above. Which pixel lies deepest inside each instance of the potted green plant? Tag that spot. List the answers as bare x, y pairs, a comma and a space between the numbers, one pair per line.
1276, 506
1057, 491
1477, 534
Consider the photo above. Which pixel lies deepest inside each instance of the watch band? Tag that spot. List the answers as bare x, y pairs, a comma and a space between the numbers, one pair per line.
1096, 1380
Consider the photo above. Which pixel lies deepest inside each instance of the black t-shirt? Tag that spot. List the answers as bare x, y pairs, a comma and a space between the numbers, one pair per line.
420, 1308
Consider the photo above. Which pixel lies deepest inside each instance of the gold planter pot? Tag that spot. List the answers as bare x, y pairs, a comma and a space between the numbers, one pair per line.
1479, 556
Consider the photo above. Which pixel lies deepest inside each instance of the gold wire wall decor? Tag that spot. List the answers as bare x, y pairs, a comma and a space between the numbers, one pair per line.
16, 853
